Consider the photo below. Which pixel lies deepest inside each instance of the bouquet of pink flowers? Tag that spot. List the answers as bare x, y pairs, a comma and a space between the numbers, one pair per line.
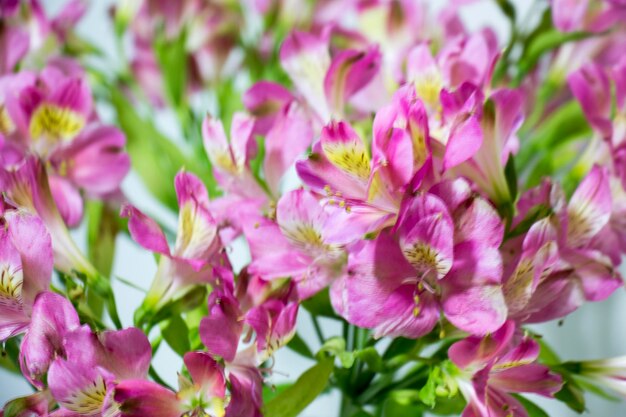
423, 194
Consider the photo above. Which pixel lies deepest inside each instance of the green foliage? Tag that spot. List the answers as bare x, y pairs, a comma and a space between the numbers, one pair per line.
155, 158
319, 305
172, 59
9, 356
533, 409
291, 401
299, 346
176, 334
543, 43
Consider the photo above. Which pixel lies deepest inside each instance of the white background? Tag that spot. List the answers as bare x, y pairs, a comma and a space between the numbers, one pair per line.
596, 330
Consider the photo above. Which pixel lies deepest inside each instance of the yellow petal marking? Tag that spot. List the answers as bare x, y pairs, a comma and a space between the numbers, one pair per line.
350, 158
55, 123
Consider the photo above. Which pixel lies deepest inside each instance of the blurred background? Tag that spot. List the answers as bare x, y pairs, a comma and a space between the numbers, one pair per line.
594, 331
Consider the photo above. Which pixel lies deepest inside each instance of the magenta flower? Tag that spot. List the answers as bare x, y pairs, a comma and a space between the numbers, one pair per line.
83, 381
26, 186
197, 249
203, 395
52, 318
305, 243
480, 142
51, 114
564, 253
273, 323
326, 83
26, 262
497, 365
445, 257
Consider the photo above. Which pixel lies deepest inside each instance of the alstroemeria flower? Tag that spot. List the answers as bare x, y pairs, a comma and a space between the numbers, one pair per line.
305, 243
286, 139
609, 373
327, 83
53, 317
197, 249
26, 186
479, 147
564, 253
497, 365
273, 323
340, 169
50, 114
446, 257
203, 395
83, 380
25, 269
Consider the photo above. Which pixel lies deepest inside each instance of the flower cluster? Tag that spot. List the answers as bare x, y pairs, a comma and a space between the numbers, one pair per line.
386, 168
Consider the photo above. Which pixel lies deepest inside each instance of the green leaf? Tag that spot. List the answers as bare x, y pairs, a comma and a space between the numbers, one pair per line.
319, 305
572, 395
546, 354
155, 158
543, 43
172, 59
102, 228
9, 356
270, 393
596, 390
533, 409
298, 345
392, 408
510, 173
508, 9
175, 333
297, 397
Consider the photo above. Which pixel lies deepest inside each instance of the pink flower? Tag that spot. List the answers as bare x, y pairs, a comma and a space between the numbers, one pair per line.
26, 186
497, 365
305, 243
445, 257
327, 83
50, 114
204, 394
196, 252
609, 373
26, 262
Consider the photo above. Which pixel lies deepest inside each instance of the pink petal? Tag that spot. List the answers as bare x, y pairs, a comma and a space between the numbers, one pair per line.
96, 160
32, 240
589, 209
426, 235
265, 100
144, 230
221, 329
479, 223
592, 88
349, 72
140, 398
197, 238
288, 139
568, 15
306, 60
480, 350
73, 94
206, 373
531, 378
52, 317
68, 200
373, 293
273, 256
466, 138
477, 310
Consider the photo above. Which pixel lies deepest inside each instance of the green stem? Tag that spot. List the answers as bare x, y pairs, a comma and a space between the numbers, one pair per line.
318, 330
